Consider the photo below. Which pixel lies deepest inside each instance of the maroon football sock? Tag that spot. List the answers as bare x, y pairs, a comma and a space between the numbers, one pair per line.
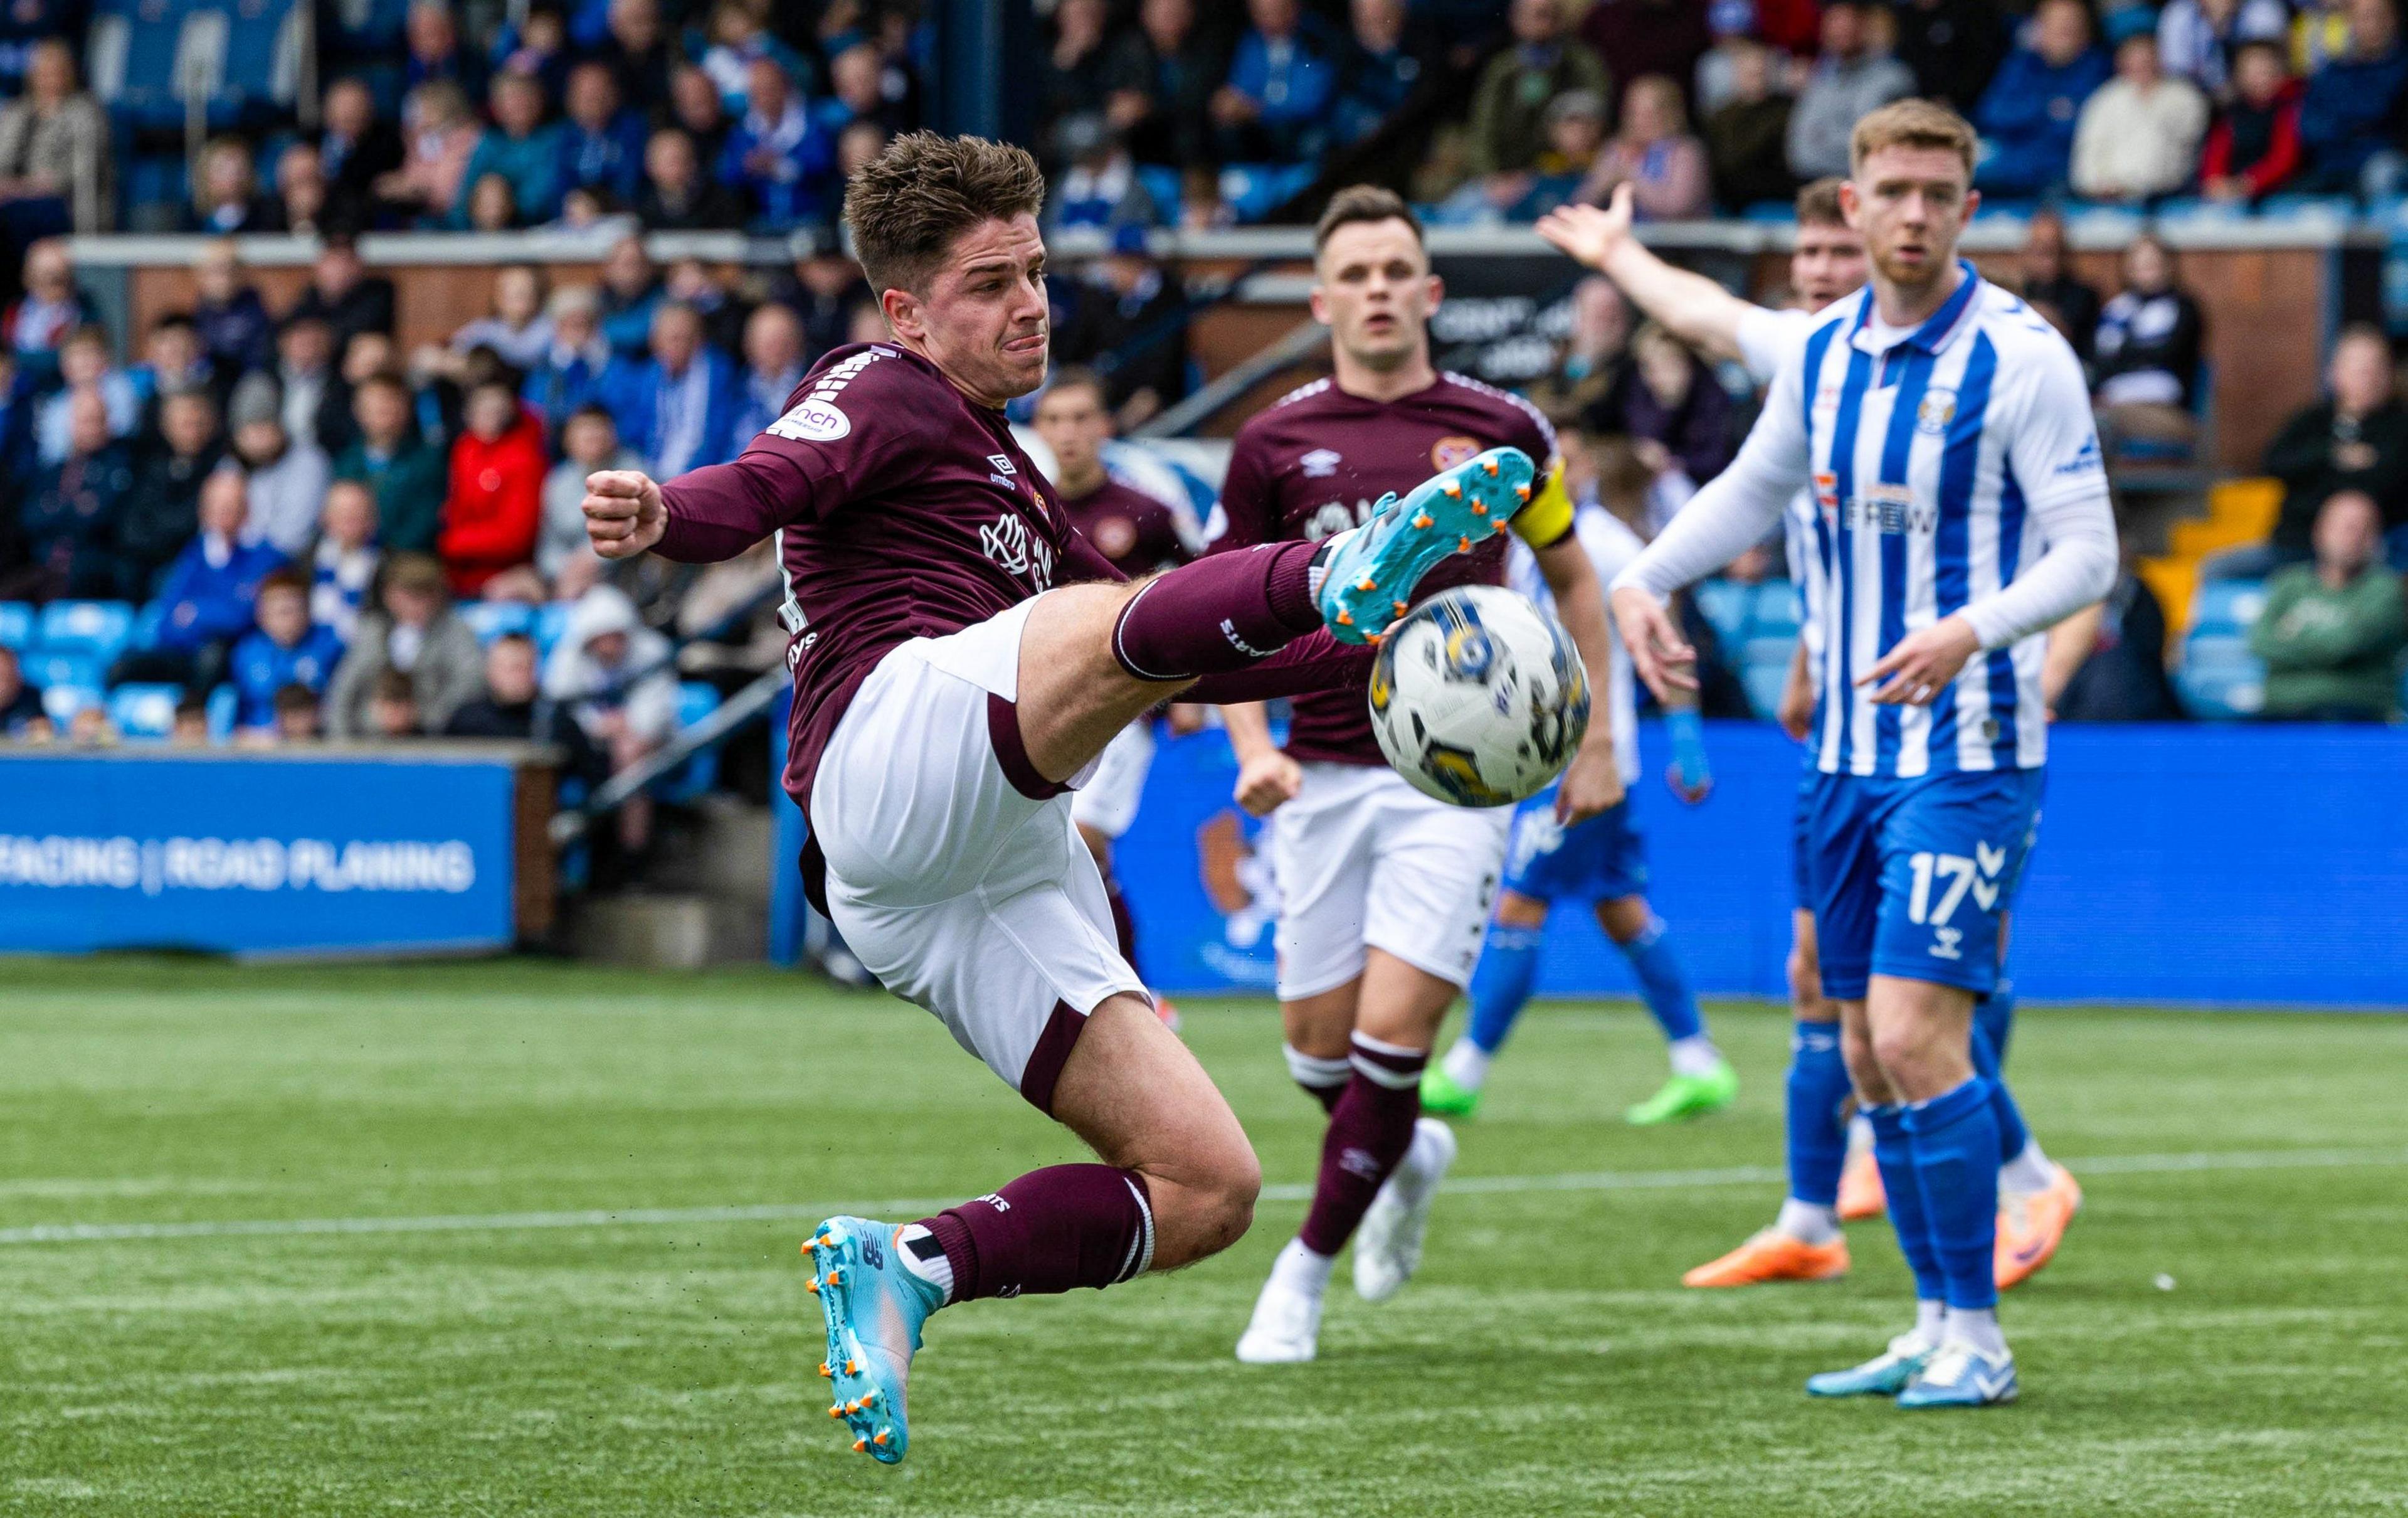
1218, 613
1064, 1226
1315, 661
1369, 1131
1327, 1095
1124, 925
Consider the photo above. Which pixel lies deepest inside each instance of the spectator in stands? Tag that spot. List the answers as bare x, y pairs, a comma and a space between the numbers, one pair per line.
303, 196
84, 364
516, 329
22, 715
492, 207
520, 148
2356, 438
1951, 47
162, 513
508, 710
602, 142
775, 158
737, 35
1850, 78
1071, 78
826, 286
172, 359
435, 55
1098, 184
343, 560
2138, 136
567, 372
188, 727
1595, 354
2049, 283
2202, 41
343, 295
773, 367
442, 137
411, 629
496, 504
1275, 107
51, 308
284, 649
676, 196
394, 712
631, 289
312, 399
1133, 315
677, 407
1385, 60
639, 50
205, 598
1669, 404
71, 518
298, 719
862, 86
857, 147
225, 193
535, 46
2027, 116
1161, 76
2123, 676
407, 474
288, 475
2253, 150
2349, 112
1575, 129
1653, 153
2147, 347
234, 324
697, 109
1747, 135
356, 148
2332, 630
54, 158
615, 676
1508, 105
1638, 38
588, 441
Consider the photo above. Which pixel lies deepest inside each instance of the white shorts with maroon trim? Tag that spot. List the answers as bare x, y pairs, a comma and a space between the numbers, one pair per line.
1364, 860
953, 870
1108, 802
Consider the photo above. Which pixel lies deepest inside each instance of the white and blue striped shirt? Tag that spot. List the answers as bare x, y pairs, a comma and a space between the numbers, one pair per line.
1953, 468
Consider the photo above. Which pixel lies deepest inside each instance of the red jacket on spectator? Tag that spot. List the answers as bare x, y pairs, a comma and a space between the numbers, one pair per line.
2274, 131
495, 505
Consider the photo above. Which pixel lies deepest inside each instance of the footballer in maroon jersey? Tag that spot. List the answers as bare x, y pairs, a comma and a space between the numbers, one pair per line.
951, 685
1384, 893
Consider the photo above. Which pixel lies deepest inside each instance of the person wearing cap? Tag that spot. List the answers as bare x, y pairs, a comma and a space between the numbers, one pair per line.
1099, 187
2138, 136
288, 474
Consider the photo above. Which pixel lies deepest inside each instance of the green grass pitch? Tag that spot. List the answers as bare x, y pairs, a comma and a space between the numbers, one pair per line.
2226, 1331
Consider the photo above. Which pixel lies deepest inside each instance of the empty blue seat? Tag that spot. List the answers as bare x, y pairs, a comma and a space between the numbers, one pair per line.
491, 619
2221, 690
551, 623
133, 47
1763, 684
1726, 606
144, 711
1163, 188
16, 623
49, 667
2223, 606
262, 47
60, 702
2218, 650
696, 700
98, 628
1775, 609
224, 702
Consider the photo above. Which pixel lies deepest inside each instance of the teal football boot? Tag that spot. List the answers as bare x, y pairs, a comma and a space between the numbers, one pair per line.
1961, 1375
874, 1307
1885, 1375
1370, 575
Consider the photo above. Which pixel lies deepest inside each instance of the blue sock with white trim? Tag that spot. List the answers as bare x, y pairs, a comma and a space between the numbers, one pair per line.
1818, 1137
1661, 984
2012, 1135
1501, 986
1955, 1141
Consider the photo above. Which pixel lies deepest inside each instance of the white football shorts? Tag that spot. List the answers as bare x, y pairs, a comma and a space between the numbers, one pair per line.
1364, 860
1108, 802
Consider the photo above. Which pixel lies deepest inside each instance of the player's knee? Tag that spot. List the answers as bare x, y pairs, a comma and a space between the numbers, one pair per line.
1225, 1197
1864, 1069
1896, 1049
1515, 910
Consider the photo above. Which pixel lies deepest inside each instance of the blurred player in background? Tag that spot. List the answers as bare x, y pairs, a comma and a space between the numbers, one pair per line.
1962, 511
1385, 892
1602, 861
1805, 1242
1142, 535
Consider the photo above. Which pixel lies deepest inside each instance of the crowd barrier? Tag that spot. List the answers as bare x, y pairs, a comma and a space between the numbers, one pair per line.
306, 852
2211, 865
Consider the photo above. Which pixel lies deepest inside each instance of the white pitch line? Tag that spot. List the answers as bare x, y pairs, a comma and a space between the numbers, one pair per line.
1595, 1181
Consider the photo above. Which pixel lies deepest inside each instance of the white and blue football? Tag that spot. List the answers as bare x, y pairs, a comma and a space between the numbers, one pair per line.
1477, 697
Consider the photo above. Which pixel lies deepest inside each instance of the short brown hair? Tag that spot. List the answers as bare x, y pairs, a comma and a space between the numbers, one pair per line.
1818, 203
287, 578
1076, 377
1363, 203
394, 685
910, 203
419, 573
1912, 124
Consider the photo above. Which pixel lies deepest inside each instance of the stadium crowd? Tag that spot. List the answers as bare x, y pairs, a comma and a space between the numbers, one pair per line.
310, 532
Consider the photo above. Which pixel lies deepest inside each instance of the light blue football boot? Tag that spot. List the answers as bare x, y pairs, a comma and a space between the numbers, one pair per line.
874, 1307
1370, 573
1961, 1375
1886, 1374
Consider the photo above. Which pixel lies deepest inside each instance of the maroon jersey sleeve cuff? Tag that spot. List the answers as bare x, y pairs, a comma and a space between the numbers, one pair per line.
718, 512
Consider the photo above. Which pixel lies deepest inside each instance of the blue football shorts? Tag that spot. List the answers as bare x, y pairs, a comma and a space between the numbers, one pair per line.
1603, 859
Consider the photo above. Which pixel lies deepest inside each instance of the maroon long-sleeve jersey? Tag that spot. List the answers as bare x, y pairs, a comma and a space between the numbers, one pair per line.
904, 509
1138, 532
1314, 462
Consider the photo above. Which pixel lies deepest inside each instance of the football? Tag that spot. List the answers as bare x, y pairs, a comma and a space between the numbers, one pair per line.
1477, 697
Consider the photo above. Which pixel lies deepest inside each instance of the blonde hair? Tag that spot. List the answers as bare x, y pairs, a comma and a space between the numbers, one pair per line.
1912, 124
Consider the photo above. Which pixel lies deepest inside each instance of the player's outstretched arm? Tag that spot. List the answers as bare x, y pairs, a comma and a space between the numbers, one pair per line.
1593, 781
623, 514
1692, 308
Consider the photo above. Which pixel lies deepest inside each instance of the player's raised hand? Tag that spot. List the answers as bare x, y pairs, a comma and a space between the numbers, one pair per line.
1590, 233
1921, 664
624, 512
1658, 654
1267, 781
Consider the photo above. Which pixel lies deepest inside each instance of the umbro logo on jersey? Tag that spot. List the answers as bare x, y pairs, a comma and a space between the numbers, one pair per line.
1320, 464
1003, 462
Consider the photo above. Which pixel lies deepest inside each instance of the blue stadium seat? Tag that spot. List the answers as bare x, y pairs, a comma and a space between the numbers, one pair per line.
98, 628
1163, 188
1250, 191
261, 57
1771, 212
142, 711
696, 700
60, 702
2301, 207
1726, 606
2221, 688
222, 704
49, 667
2226, 606
133, 46
1763, 684
16, 623
1775, 610
550, 622
490, 620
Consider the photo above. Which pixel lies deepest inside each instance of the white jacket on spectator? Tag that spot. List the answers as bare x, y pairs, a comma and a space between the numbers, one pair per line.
286, 498
592, 690
2130, 144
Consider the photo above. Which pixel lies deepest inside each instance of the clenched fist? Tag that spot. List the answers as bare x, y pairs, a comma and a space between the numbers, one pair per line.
623, 514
